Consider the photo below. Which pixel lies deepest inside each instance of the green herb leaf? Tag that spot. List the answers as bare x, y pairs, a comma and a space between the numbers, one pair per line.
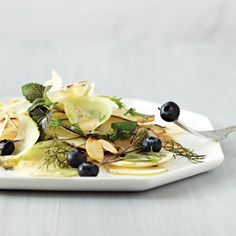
37, 102
133, 112
39, 110
47, 121
123, 130
116, 100
32, 91
38, 114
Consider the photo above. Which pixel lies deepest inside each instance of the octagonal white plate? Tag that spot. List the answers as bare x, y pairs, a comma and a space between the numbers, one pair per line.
177, 169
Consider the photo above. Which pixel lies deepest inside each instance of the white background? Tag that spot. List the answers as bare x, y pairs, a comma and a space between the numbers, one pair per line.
156, 50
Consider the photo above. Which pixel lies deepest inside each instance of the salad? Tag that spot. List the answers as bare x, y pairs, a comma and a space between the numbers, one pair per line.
71, 131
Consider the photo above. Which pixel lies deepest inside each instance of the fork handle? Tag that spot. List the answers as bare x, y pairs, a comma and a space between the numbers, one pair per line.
188, 129
231, 129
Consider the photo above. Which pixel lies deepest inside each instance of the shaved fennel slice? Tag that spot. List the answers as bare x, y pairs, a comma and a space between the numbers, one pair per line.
27, 136
55, 82
20, 106
83, 88
88, 112
32, 163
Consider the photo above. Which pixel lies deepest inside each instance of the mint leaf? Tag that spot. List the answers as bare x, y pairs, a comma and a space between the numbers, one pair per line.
32, 91
37, 102
37, 95
38, 114
123, 130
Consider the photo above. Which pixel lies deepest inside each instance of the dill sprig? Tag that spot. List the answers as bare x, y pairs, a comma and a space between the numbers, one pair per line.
179, 150
139, 136
56, 154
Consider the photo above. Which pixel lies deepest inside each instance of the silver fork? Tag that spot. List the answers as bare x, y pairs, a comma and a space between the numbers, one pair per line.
214, 135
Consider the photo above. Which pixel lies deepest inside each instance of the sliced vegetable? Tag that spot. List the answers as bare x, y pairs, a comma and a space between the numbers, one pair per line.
132, 164
83, 88
136, 171
32, 162
88, 112
132, 115
27, 136
55, 83
16, 107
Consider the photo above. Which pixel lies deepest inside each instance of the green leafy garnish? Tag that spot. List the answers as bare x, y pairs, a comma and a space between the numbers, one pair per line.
133, 112
37, 95
36, 103
123, 130
116, 100
38, 114
32, 91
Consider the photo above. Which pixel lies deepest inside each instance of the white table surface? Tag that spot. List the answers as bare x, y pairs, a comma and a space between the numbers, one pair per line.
154, 50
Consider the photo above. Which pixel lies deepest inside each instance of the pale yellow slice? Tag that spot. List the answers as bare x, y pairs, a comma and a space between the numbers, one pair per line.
136, 171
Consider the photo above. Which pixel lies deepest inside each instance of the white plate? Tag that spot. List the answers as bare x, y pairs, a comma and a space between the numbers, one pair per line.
178, 169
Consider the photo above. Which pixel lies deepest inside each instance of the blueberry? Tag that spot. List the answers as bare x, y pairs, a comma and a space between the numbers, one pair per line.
88, 169
170, 112
151, 144
7, 147
75, 158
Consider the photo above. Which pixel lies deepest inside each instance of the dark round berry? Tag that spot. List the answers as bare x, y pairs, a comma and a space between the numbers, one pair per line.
75, 158
88, 169
151, 144
7, 147
170, 112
